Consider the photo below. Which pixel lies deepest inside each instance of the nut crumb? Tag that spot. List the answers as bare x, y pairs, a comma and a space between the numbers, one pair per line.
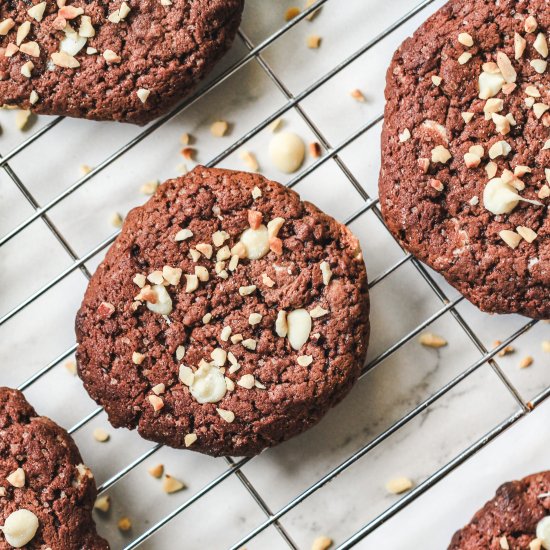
399, 485
156, 471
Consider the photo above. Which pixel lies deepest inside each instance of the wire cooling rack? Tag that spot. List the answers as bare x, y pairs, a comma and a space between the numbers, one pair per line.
449, 302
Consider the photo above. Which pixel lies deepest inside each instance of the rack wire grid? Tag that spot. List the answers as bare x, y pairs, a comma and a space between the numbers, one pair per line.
415, 411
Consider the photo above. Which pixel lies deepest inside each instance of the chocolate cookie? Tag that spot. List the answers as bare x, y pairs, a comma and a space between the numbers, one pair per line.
126, 60
465, 175
518, 518
46, 492
228, 315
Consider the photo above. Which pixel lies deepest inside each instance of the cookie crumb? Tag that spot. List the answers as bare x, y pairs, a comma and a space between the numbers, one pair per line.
321, 543
313, 41
101, 435
431, 340
124, 524
357, 95
219, 128
103, 503
156, 471
291, 13
527, 361
189, 439
172, 485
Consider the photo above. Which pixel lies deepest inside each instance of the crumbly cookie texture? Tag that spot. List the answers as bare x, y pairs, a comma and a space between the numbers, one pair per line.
465, 178
46, 492
128, 60
227, 317
509, 521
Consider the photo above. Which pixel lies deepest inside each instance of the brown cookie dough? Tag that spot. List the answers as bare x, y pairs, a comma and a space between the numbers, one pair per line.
510, 519
465, 143
120, 60
164, 374
44, 487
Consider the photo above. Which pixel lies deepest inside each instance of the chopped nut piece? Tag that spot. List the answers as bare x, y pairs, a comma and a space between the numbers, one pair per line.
228, 416
17, 478
304, 360
149, 187
254, 318
467, 117
431, 340
546, 346
267, 281
257, 192
137, 358
527, 233
503, 541
172, 485
171, 275
71, 367
466, 39
526, 362
186, 375
101, 435
219, 356
103, 503
358, 95
219, 128
464, 58
189, 439
405, 135
291, 13
321, 543
37, 11
317, 312
315, 150
143, 94
326, 272
250, 344
530, 24
246, 381
500, 148
436, 80
539, 65
192, 283
250, 160
116, 220
281, 325
6, 25
156, 402
441, 154
506, 68
399, 485
183, 234
246, 290
124, 524
22, 118
511, 238
313, 41
159, 389
539, 109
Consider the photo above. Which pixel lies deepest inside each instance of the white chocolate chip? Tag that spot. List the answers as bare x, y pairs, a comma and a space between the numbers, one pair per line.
20, 527
256, 242
72, 43
208, 384
299, 328
287, 151
163, 304
500, 197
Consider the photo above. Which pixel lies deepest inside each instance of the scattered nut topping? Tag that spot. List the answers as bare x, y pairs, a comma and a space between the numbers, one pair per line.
326, 272
526, 362
105, 309
183, 235
506, 68
254, 318
436, 80
228, 416
299, 328
467, 117
281, 326
321, 543
250, 160
116, 220
143, 94
189, 439
219, 128
519, 45
431, 340
317, 312
103, 503
357, 95
156, 402
71, 367
315, 149
511, 238
498, 149
159, 389
313, 41
539, 65
149, 188
101, 435
124, 524
530, 24
291, 13
503, 541
546, 346
405, 135
399, 485
22, 117
527, 233
466, 39
504, 351
17, 478
37, 11
156, 471
441, 154
20, 527
111, 57
247, 290
256, 193
541, 45
192, 283
464, 58
172, 485
249, 344
304, 360
246, 381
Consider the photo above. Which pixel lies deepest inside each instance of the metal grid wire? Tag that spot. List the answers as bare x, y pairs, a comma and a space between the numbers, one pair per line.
234, 468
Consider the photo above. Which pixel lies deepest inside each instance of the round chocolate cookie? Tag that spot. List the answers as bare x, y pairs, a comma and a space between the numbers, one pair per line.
46, 492
126, 60
518, 518
464, 184
228, 315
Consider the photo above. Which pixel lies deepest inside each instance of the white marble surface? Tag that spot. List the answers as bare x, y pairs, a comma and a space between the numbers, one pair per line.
43, 331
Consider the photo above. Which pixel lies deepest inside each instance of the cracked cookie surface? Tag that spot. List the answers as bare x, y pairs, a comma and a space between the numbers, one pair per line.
41, 471
128, 61
227, 317
466, 143
510, 519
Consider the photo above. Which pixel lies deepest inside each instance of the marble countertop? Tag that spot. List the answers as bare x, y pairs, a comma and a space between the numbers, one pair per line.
474, 396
